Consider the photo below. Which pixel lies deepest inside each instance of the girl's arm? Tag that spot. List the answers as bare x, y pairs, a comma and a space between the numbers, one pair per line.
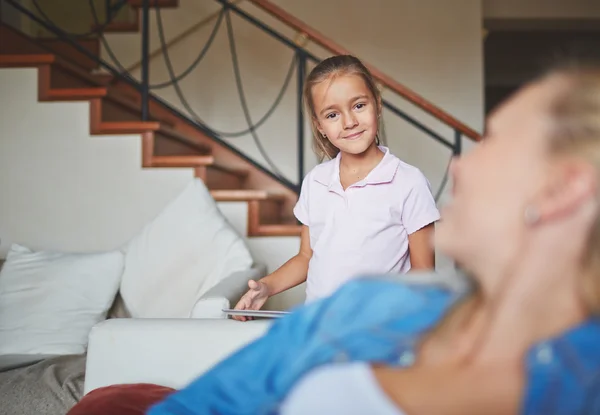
289, 275
294, 271
420, 248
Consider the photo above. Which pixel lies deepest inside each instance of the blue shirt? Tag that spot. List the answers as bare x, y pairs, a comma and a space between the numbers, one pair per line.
379, 321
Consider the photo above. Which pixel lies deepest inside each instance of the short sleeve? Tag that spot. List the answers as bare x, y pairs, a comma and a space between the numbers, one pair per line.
301, 208
419, 209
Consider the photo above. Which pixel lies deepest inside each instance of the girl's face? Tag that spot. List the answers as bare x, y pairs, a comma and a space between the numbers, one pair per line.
346, 112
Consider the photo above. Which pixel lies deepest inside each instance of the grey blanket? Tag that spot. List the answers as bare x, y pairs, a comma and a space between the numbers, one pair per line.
49, 387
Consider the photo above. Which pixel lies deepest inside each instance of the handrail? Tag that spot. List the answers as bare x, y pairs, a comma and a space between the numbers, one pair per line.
384, 79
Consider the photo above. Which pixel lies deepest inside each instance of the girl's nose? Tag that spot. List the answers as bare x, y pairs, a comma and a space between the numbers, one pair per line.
350, 121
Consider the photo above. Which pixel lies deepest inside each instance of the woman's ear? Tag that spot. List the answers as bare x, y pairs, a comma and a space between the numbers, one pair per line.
574, 184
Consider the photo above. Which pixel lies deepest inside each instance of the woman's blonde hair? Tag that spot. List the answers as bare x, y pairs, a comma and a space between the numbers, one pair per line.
576, 116
328, 70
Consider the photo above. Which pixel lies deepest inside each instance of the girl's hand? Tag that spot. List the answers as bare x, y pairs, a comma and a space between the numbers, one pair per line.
254, 298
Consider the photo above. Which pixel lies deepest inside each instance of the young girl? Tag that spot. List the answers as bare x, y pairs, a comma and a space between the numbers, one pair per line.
363, 211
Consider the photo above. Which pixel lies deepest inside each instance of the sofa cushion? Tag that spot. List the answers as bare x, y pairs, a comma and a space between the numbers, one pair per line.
49, 301
184, 252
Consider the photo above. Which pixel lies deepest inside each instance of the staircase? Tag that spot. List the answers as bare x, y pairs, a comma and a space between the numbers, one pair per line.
65, 74
171, 141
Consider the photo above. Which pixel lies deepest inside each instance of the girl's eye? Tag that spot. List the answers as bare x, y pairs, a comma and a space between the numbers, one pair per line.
360, 106
331, 116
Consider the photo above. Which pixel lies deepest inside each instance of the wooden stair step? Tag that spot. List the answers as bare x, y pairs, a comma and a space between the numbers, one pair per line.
75, 94
26, 60
133, 107
154, 3
240, 172
245, 195
90, 78
104, 78
277, 230
182, 161
205, 166
71, 53
126, 127
182, 138
120, 27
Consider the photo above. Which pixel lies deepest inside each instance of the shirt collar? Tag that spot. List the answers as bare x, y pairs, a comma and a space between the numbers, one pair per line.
384, 172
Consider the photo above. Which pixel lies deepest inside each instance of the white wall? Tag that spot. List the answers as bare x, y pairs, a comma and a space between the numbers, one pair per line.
549, 9
61, 188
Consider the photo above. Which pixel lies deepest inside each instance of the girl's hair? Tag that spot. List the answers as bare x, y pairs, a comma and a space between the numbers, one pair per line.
328, 70
576, 117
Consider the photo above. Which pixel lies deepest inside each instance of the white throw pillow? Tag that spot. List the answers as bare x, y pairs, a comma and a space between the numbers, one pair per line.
181, 254
49, 301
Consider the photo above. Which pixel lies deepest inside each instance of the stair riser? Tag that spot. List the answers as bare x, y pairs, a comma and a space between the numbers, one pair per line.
217, 179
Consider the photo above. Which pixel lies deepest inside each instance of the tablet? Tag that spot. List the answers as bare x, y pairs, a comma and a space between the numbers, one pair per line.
256, 313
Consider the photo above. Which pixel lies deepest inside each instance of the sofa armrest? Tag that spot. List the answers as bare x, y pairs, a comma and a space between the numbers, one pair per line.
226, 293
168, 352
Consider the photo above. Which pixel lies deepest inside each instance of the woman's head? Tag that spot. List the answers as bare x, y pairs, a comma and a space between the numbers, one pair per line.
344, 105
533, 182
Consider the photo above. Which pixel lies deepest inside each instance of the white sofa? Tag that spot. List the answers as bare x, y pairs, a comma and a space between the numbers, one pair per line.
168, 352
172, 352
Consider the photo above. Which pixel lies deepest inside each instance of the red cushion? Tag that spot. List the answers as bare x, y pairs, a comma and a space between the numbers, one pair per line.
132, 399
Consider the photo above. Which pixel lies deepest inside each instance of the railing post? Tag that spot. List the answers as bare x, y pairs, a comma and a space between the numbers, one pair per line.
108, 11
145, 53
457, 143
301, 73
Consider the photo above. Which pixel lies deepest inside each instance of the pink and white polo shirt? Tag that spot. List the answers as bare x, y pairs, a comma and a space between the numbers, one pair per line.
364, 229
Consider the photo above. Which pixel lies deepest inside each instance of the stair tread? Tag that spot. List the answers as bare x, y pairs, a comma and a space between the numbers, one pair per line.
154, 3
125, 127
242, 195
77, 93
278, 230
26, 59
125, 27
182, 161
202, 160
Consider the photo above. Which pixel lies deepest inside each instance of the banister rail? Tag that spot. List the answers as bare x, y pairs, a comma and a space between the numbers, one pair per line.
384, 79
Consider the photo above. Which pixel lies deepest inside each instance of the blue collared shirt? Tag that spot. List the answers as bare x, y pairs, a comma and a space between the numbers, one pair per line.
379, 321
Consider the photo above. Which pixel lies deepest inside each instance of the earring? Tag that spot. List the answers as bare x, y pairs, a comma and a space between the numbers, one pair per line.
532, 215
